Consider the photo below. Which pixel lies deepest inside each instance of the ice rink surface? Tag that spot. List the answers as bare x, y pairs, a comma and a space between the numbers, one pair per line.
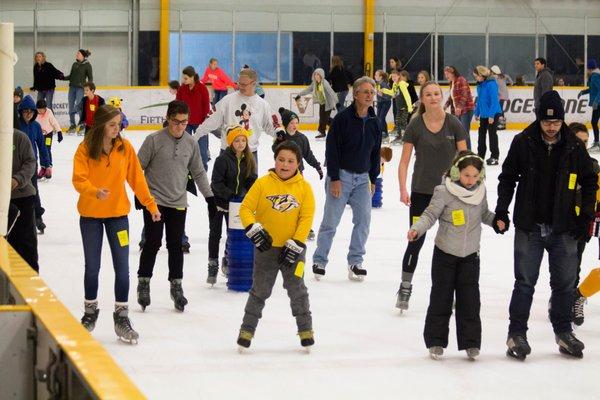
364, 348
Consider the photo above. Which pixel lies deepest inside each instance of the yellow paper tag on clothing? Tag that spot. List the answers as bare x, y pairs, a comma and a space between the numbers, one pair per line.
458, 217
123, 238
572, 181
415, 219
299, 272
180, 209
92, 107
577, 210
48, 141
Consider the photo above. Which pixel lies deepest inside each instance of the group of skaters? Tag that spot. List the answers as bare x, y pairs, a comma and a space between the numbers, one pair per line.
555, 206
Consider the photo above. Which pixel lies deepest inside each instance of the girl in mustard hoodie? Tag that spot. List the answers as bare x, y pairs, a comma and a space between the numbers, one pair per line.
278, 212
102, 164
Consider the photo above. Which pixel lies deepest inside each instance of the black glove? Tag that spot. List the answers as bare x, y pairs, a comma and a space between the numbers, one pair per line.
280, 135
582, 228
297, 98
291, 253
212, 206
60, 136
259, 236
501, 216
320, 171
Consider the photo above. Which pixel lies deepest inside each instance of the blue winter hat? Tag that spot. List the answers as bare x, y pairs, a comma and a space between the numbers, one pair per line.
592, 64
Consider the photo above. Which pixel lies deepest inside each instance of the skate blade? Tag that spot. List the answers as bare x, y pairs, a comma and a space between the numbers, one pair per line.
242, 349
128, 341
355, 278
514, 355
567, 353
318, 277
307, 349
143, 308
435, 357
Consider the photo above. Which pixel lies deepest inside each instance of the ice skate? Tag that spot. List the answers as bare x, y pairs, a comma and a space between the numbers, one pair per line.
318, 271
71, 129
436, 352
472, 353
491, 161
404, 296
244, 340
569, 345
397, 141
143, 292
311, 235
518, 347
356, 272
80, 130
595, 148
177, 296
123, 327
224, 267
90, 316
385, 138
320, 136
577, 311
307, 339
213, 271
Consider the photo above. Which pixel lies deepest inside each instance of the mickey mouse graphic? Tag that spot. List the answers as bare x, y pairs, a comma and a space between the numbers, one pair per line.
244, 113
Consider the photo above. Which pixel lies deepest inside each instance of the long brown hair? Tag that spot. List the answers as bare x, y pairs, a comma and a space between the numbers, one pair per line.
336, 61
247, 159
421, 105
94, 138
191, 72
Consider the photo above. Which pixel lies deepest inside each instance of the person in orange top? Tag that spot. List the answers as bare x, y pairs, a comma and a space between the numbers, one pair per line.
102, 164
215, 76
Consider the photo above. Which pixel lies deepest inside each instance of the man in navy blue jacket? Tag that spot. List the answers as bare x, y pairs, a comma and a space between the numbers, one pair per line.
353, 163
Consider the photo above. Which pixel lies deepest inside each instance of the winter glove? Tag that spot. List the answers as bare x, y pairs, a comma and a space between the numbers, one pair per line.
320, 171
291, 253
582, 228
501, 216
259, 236
212, 206
60, 136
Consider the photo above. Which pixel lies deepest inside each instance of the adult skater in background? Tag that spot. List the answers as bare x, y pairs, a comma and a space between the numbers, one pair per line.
323, 95
167, 156
44, 78
352, 155
460, 100
102, 164
487, 112
215, 76
593, 91
544, 80
436, 137
503, 80
340, 79
195, 94
81, 72
245, 108
548, 162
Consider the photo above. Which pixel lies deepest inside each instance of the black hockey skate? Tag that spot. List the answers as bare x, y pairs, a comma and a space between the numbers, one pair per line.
90, 316
518, 347
356, 272
213, 271
123, 327
318, 271
404, 296
143, 292
177, 296
577, 311
569, 345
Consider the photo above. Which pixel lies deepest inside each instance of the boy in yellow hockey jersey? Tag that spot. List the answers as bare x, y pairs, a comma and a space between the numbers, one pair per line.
277, 213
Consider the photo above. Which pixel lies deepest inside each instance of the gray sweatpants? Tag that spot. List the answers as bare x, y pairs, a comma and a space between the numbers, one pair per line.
265, 272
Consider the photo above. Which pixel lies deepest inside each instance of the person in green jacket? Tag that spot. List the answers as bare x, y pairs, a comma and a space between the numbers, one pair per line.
81, 72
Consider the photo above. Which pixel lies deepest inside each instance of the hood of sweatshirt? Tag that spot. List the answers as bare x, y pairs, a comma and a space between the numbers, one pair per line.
28, 104
319, 71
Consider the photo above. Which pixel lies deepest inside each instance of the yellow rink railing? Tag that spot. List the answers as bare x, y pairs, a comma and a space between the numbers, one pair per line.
45, 353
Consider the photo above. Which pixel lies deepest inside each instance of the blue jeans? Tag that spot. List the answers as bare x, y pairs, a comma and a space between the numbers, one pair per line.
562, 257
91, 237
465, 120
47, 95
383, 108
202, 143
219, 94
75, 97
356, 192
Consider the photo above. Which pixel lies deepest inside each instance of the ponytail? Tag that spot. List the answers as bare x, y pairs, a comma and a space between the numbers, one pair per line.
196, 78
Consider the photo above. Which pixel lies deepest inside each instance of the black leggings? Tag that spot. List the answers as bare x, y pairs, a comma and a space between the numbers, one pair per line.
491, 129
418, 204
214, 236
595, 118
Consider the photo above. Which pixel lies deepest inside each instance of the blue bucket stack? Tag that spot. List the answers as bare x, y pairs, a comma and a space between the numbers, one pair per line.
377, 199
239, 252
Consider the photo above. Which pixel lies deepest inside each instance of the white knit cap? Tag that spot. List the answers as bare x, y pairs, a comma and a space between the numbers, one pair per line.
496, 69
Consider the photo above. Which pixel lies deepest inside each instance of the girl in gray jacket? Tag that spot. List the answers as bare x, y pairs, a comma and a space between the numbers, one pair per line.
460, 205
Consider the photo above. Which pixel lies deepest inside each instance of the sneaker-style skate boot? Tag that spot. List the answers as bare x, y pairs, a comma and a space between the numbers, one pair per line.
90, 316
143, 292
123, 327
177, 295
356, 272
518, 347
244, 340
436, 352
404, 296
472, 353
577, 311
568, 344
213, 271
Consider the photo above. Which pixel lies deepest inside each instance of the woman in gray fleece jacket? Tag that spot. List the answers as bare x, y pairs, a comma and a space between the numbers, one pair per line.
324, 96
460, 205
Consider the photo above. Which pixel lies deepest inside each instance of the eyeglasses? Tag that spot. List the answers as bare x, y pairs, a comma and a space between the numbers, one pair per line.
555, 123
244, 84
371, 92
178, 122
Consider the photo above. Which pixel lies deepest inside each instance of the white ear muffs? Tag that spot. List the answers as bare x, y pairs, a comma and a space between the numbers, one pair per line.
455, 172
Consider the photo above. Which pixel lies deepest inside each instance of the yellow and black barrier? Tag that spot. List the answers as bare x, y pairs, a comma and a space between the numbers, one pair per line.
45, 352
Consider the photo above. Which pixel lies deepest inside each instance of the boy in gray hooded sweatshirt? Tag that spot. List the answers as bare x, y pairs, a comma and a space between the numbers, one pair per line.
324, 96
460, 205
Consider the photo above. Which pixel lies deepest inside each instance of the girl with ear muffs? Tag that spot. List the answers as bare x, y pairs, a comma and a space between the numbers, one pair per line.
460, 205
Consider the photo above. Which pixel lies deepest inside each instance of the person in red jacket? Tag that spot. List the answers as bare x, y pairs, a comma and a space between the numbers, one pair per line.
215, 76
195, 94
89, 105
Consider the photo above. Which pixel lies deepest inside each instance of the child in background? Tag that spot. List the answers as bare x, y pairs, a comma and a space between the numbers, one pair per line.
460, 205
233, 174
323, 95
384, 101
116, 103
17, 99
90, 104
591, 284
49, 125
281, 204
403, 103
174, 87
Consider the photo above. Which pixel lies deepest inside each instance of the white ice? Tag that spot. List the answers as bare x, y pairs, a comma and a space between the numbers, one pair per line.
364, 348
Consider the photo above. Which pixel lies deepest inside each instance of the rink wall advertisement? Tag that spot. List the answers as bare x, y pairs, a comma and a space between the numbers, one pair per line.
147, 106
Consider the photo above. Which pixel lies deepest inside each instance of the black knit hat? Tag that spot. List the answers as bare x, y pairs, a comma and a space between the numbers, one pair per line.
287, 116
41, 103
551, 106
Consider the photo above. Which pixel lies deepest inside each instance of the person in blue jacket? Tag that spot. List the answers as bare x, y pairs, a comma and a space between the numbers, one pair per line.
487, 112
594, 91
33, 130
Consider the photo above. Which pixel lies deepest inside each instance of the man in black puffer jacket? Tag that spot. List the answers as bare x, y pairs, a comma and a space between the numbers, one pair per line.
548, 162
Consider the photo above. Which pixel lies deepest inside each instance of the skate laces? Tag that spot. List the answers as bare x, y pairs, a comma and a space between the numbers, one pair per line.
306, 334
405, 291
246, 335
578, 306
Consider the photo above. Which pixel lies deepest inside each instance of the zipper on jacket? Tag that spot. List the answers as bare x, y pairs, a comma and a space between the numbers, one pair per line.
237, 178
